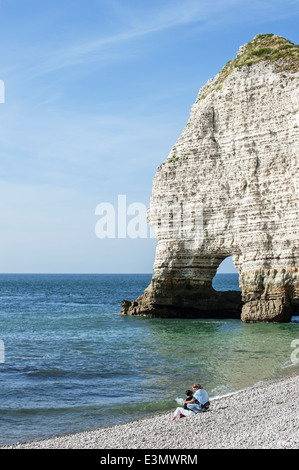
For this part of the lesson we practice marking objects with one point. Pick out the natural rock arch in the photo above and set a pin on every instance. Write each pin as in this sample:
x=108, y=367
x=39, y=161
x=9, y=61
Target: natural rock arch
x=223, y=277
x=231, y=181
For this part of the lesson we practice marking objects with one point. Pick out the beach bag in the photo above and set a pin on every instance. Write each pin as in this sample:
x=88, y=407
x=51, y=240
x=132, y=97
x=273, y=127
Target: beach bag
x=205, y=406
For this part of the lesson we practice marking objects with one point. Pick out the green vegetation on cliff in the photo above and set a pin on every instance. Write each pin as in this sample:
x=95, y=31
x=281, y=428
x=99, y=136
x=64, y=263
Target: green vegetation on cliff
x=263, y=47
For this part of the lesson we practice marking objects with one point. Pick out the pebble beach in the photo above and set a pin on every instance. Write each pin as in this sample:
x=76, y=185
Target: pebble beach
x=261, y=417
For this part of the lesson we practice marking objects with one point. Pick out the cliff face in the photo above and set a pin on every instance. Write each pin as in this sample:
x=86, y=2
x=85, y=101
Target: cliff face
x=230, y=187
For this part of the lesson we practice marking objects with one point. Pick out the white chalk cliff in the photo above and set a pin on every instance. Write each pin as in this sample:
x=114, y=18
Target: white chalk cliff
x=235, y=169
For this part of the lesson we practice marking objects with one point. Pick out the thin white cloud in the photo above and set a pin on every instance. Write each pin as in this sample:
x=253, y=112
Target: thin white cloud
x=161, y=17
x=139, y=24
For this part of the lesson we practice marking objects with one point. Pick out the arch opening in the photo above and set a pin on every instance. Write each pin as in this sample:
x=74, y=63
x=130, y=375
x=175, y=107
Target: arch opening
x=226, y=277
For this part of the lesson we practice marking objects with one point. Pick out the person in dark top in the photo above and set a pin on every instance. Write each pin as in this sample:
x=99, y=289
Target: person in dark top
x=189, y=397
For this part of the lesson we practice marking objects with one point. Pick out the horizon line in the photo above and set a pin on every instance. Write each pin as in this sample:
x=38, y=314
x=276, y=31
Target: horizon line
x=88, y=273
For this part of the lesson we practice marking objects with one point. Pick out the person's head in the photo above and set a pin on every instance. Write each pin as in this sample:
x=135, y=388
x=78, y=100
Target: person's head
x=196, y=387
x=188, y=393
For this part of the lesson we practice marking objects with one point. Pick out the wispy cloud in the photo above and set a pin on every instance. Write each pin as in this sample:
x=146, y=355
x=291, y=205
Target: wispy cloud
x=64, y=149
x=148, y=19
x=140, y=26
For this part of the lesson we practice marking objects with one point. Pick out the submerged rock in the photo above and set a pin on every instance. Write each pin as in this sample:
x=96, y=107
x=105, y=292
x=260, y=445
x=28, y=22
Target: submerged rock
x=229, y=187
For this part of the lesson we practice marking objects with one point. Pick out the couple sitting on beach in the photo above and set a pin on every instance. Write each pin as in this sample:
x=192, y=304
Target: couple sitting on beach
x=196, y=401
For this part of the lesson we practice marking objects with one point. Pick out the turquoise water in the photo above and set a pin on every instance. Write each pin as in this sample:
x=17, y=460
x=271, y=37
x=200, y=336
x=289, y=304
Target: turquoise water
x=73, y=363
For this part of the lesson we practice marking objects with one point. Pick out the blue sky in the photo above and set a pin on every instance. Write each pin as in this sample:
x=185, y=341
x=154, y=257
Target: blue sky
x=96, y=94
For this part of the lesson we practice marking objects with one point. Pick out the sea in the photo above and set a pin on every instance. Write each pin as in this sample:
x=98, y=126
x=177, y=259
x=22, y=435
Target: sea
x=69, y=362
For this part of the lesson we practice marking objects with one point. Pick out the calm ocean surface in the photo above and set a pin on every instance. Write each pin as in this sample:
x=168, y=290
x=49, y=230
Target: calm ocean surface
x=73, y=363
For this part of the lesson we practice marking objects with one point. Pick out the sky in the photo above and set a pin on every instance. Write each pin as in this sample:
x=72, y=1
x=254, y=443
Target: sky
x=95, y=95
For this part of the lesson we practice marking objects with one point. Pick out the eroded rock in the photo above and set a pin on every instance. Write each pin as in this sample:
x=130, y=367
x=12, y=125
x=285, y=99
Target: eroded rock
x=230, y=187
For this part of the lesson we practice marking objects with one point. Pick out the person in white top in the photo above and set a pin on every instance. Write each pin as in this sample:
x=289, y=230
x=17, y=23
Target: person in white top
x=200, y=400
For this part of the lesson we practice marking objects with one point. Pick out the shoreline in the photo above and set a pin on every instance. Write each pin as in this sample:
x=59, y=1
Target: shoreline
x=260, y=417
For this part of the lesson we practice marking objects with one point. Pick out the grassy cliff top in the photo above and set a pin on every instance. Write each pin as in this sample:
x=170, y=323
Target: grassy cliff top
x=263, y=47
x=271, y=48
